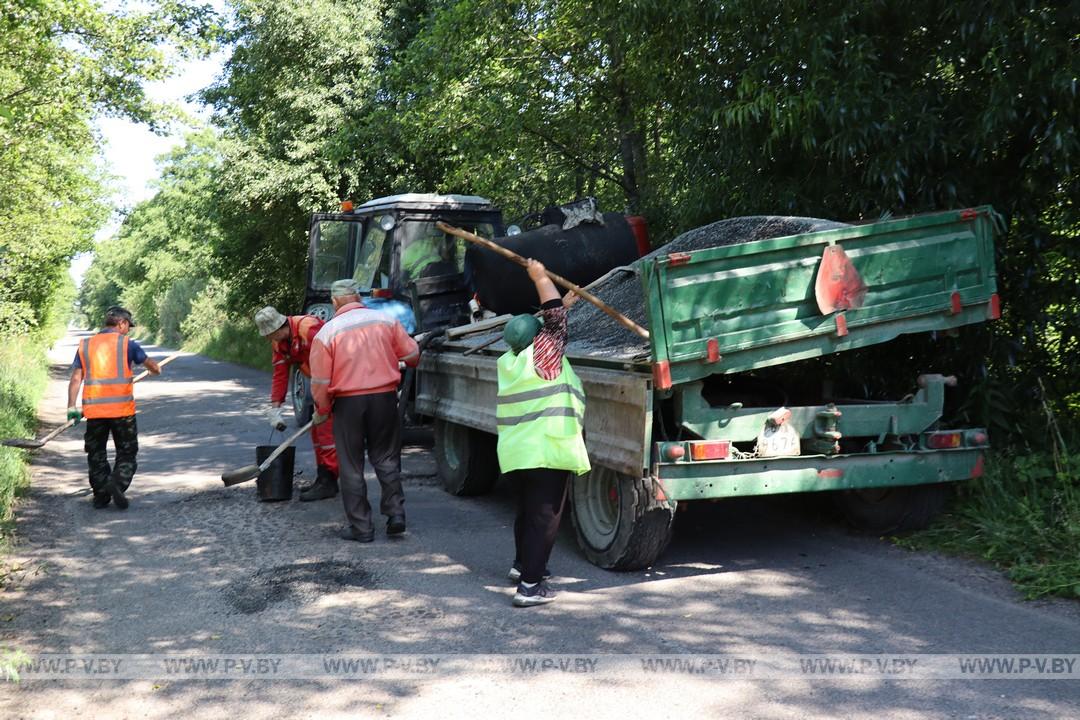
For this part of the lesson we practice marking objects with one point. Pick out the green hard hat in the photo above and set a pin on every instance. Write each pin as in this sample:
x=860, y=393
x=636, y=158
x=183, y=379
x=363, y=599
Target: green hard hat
x=520, y=331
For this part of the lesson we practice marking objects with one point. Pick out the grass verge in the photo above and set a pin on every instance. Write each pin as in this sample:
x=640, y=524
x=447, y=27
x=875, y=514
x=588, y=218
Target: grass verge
x=23, y=377
x=234, y=341
x=1023, y=516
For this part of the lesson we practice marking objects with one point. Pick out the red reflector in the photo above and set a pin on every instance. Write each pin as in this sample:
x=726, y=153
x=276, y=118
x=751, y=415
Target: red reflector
x=954, y=303
x=944, y=441
x=841, y=325
x=830, y=473
x=993, y=310
x=712, y=350
x=978, y=470
x=661, y=374
x=710, y=450
x=679, y=258
x=969, y=214
x=346, y=206
x=382, y=293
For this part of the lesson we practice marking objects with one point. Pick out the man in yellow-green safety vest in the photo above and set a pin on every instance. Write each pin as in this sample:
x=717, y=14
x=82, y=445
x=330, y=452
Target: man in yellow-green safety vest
x=540, y=417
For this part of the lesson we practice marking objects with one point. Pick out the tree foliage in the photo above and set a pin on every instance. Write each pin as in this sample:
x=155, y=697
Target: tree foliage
x=62, y=62
x=685, y=112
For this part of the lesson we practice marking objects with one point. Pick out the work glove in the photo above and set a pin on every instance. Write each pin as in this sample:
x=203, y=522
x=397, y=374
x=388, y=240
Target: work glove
x=319, y=418
x=276, y=415
x=74, y=413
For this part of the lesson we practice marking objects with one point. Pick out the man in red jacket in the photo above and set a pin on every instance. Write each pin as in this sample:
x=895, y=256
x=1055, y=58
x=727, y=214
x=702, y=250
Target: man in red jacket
x=291, y=339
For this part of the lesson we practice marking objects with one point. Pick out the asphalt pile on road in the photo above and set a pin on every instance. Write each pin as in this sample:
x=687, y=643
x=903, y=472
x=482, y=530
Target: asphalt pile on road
x=593, y=333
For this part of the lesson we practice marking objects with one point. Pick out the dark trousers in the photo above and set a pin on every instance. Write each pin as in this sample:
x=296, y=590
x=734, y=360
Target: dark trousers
x=125, y=437
x=541, y=496
x=368, y=423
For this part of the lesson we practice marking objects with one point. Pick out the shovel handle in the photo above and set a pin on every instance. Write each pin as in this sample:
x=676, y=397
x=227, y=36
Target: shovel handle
x=557, y=279
x=163, y=363
x=286, y=443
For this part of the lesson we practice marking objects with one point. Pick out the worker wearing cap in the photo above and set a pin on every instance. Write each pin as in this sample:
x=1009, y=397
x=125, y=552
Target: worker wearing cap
x=355, y=372
x=539, y=414
x=102, y=366
x=291, y=338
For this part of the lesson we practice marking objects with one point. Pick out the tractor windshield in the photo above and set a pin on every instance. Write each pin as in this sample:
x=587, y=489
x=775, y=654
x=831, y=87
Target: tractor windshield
x=429, y=252
x=333, y=240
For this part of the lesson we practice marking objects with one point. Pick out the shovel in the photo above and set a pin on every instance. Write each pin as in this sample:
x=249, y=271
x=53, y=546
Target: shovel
x=32, y=444
x=557, y=279
x=250, y=472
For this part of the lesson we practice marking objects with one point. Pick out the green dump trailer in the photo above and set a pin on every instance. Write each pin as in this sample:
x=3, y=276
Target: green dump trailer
x=676, y=418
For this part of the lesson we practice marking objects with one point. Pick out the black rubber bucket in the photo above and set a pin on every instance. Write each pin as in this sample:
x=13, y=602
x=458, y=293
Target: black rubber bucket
x=275, y=482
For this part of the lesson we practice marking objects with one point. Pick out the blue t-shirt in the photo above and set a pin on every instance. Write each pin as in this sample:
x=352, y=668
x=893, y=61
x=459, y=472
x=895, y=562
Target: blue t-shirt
x=136, y=355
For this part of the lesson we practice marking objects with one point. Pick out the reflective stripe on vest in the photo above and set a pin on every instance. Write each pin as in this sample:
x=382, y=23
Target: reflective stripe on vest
x=108, y=390
x=539, y=421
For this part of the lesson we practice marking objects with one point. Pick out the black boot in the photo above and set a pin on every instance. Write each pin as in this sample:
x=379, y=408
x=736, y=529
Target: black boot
x=325, y=486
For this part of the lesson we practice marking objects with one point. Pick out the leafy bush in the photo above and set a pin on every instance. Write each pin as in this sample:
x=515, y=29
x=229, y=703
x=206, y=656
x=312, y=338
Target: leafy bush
x=210, y=329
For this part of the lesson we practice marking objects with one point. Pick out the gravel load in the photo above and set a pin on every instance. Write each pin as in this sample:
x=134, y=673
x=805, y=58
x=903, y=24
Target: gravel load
x=594, y=334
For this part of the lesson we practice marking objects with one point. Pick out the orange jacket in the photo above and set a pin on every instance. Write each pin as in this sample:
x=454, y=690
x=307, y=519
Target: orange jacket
x=107, y=388
x=357, y=353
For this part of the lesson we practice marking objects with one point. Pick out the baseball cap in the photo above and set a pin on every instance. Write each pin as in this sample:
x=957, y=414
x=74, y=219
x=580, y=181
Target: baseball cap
x=348, y=286
x=118, y=313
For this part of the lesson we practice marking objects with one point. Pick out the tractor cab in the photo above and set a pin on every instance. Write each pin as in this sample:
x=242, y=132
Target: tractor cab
x=404, y=265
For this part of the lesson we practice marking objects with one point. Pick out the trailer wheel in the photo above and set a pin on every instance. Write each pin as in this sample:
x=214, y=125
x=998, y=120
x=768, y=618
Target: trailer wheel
x=465, y=458
x=619, y=522
x=893, y=509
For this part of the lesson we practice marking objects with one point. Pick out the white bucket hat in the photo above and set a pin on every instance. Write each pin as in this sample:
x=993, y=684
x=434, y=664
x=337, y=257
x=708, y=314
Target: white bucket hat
x=268, y=320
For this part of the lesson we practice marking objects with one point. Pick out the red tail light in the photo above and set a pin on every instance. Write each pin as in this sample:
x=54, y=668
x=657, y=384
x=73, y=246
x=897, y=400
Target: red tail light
x=945, y=440
x=710, y=450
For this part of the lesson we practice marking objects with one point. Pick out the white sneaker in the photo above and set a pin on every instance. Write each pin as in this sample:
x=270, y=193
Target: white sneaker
x=538, y=594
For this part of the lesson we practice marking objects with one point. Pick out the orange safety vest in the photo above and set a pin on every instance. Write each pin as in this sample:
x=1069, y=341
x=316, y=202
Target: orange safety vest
x=107, y=388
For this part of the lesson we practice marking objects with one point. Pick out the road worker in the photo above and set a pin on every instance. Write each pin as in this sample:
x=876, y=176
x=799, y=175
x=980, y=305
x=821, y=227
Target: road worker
x=355, y=373
x=102, y=366
x=291, y=337
x=540, y=418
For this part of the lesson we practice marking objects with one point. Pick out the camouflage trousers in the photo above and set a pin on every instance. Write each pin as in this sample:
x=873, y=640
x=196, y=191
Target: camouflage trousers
x=125, y=437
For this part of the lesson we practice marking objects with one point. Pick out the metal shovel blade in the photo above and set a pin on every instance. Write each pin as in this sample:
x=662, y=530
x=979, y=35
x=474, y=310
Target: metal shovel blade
x=24, y=443
x=235, y=477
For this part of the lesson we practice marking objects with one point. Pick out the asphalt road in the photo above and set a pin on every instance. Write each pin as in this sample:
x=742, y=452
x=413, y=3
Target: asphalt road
x=194, y=570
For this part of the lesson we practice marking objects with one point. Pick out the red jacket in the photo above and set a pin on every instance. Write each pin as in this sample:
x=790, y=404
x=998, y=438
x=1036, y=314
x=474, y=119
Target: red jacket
x=294, y=351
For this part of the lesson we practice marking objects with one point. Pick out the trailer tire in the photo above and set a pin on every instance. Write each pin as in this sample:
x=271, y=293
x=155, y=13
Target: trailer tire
x=619, y=523
x=465, y=458
x=903, y=508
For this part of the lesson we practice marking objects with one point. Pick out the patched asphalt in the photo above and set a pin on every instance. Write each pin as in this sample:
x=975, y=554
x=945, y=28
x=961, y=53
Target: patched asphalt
x=196, y=568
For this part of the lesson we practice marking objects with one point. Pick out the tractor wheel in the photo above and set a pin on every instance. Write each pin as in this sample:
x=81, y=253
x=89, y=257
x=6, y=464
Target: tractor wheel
x=619, y=522
x=465, y=458
x=300, y=395
x=880, y=511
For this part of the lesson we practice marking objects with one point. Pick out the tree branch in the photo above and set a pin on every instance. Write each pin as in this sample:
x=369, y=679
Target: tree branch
x=594, y=168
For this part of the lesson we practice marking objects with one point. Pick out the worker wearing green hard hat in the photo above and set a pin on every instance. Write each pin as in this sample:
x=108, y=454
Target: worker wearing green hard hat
x=520, y=331
x=539, y=414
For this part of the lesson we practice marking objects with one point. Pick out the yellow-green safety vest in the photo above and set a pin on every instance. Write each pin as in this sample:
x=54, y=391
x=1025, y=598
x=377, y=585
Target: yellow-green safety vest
x=540, y=421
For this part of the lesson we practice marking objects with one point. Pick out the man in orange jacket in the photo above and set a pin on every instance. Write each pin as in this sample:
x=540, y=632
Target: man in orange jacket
x=291, y=337
x=355, y=372
x=103, y=366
